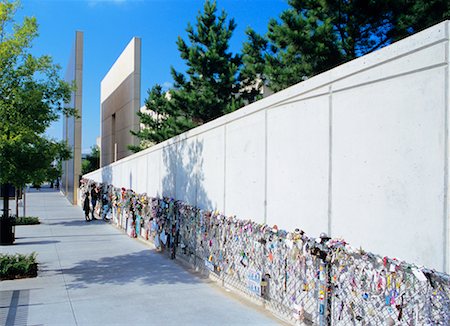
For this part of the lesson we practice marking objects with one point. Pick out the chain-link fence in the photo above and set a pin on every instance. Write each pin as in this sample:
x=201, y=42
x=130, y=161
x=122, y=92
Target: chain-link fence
x=303, y=280
x=371, y=290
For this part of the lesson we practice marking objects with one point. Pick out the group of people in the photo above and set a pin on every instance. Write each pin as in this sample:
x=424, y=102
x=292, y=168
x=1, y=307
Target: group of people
x=90, y=206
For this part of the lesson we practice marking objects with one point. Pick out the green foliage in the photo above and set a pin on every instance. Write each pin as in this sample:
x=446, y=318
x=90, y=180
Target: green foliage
x=85, y=166
x=26, y=220
x=163, y=120
x=210, y=87
x=310, y=37
x=314, y=36
x=17, y=266
x=31, y=95
x=252, y=72
x=54, y=171
x=92, y=161
x=36, y=160
x=421, y=14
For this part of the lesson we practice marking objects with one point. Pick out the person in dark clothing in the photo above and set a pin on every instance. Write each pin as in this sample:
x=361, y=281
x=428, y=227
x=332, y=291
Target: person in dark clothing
x=86, y=207
x=94, y=197
x=105, y=206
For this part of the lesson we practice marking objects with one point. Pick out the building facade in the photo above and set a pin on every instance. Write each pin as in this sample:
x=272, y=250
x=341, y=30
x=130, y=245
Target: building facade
x=72, y=125
x=120, y=101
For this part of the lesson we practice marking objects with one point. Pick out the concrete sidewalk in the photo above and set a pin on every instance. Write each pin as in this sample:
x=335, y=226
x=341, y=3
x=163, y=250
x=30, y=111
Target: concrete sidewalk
x=93, y=274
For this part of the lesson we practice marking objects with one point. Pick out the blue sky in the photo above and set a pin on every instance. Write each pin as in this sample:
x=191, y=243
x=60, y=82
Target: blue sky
x=109, y=25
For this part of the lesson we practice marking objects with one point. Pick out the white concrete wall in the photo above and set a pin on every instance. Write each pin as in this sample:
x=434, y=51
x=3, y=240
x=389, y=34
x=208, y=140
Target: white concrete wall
x=360, y=152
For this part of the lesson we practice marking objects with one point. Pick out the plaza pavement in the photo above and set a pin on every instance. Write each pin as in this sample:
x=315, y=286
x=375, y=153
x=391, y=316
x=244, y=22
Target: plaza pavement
x=93, y=274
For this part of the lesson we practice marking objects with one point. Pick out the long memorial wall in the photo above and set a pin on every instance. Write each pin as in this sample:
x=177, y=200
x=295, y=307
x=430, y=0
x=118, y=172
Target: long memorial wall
x=359, y=152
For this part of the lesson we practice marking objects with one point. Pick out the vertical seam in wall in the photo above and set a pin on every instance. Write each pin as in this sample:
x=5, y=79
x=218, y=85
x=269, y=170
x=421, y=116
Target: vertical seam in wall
x=330, y=157
x=160, y=176
x=266, y=135
x=446, y=159
x=225, y=169
x=197, y=171
x=146, y=168
x=175, y=194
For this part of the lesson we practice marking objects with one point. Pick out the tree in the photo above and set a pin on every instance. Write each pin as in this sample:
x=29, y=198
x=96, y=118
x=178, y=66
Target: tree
x=162, y=119
x=54, y=173
x=252, y=74
x=421, y=14
x=210, y=87
x=92, y=161
x=31, y=97
x=314, y=36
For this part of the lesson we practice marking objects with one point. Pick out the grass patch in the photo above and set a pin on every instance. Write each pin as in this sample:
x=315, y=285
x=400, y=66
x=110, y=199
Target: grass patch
x=27, y=220
x=17, y=266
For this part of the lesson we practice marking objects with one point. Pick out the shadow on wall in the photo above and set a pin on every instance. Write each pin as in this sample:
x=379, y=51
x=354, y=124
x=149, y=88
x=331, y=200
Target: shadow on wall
x=183, y=175
x=149, y=267
x=107, y=174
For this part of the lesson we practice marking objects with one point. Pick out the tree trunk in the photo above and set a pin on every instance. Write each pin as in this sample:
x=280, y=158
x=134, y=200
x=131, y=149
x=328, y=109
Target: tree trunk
x=24, y=201
x=17, y=202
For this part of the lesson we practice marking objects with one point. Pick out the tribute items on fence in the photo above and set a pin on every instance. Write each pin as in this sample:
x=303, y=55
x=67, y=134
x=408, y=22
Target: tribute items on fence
x=318, y=280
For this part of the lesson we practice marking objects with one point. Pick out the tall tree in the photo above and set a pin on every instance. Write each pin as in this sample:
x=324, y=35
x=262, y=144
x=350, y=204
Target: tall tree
x=31, y=97
x=313, y=36
x=210, y=86
x=252, y=74
x=92, y=161
x=208, y=89
x=162, y=119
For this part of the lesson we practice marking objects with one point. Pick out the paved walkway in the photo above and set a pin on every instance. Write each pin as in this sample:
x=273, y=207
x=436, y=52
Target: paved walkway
x=93, y=274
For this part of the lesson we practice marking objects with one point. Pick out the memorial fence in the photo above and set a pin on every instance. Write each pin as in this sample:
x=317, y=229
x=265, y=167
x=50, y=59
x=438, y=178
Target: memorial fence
x=303, y=280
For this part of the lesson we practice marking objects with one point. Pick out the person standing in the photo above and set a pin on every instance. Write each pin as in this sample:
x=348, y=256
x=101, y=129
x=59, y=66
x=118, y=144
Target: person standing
x=86, y=207
x=94, y=197
x=105, y=205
